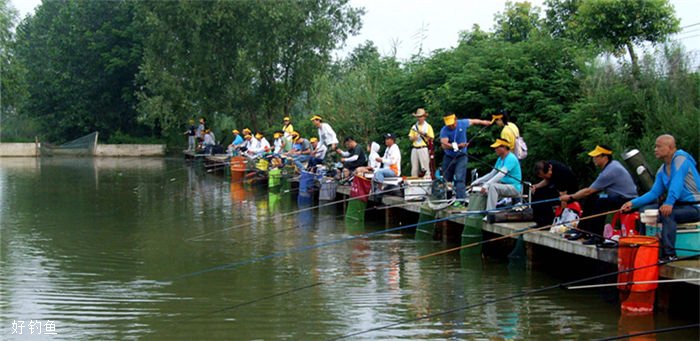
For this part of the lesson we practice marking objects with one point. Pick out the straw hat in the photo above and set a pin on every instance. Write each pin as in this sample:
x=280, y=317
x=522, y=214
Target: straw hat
x=420, y=113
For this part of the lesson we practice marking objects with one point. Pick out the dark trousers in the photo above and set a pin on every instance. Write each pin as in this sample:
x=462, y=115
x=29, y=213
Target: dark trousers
x=544, y=212
x=679, y=215
x=594, y=205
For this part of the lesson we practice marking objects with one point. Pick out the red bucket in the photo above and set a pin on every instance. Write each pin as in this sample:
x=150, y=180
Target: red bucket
x=641, y=253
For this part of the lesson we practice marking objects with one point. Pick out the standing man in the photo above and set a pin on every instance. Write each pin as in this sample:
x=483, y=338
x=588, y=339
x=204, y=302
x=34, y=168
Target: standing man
x=677, y=183
x=505, y=180
x=421, y=136
x=191, y=132
x=391, y=161
x=453, y=140
x=557, y=180
x=618, y=186
x=326, y=134
x=287, y=127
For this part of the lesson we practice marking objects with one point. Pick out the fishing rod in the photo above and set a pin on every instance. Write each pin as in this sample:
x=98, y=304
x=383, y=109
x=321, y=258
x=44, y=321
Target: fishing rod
x=294, y=212
x=510, y=235
x=632, y=283
x=655, y=331
x=329, y=243
x=315, y=284
x=504, y=298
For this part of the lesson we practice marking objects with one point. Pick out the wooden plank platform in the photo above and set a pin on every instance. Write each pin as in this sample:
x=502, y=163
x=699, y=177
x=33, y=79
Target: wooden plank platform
x=688, y=269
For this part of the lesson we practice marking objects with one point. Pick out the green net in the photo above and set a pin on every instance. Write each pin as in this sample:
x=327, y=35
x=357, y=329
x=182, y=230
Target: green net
x=82, y=146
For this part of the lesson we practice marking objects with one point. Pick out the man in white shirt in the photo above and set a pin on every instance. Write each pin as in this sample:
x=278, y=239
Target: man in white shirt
x=391, y=161
x=326, y=134
x=318, y=153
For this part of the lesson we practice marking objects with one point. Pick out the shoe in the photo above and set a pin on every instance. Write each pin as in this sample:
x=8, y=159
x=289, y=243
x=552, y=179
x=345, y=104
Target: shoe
x=592, y=241
x=458, y=206
x=669, y=259
x=575, y=236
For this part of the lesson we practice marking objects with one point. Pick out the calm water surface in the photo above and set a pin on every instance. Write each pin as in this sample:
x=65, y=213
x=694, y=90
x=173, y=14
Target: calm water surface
x=155, y=249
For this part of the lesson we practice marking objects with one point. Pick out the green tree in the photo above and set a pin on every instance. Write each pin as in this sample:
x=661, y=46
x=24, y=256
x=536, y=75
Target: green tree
x=81, y=57
x=12, y=84
x=517, y=22
x=615, y=25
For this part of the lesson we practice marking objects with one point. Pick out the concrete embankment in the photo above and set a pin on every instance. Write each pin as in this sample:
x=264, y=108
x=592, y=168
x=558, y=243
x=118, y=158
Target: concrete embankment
x=102, y=150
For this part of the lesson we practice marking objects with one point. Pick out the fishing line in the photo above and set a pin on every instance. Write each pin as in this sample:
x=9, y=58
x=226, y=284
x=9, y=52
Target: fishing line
x=632, y=283
x=329, y=243
x=505, y=298
x=655, y=331
x=512, y=234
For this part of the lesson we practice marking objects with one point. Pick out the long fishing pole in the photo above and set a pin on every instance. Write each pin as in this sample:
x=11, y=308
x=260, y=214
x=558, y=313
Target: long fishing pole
x=293, y=212
x=333, y=242
x=632, y=283
x=648, y=332
x=505, y=298
x=509, y=235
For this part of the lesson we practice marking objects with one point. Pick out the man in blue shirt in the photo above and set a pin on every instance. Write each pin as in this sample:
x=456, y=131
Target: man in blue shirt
x=505, y=180
x=618, y=186
x=453, y=140
x=677, y=183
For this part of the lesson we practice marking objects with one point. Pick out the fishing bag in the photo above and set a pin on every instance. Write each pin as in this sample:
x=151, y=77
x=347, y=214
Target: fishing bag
x=520, y=149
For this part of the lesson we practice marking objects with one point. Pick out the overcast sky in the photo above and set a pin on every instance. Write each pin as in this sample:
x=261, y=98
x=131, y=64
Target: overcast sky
x=410, y=25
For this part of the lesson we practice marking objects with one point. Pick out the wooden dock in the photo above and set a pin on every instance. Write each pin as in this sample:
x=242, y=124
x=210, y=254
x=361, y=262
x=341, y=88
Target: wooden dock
x=686, y=269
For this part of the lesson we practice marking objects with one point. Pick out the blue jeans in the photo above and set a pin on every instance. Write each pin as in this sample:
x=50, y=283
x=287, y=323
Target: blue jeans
x=679, y=214
x=300, y=159
x=381, y=173
x=454, y=168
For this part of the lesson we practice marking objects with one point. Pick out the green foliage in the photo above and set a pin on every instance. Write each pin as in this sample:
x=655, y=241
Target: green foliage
x=13, y=88
x=81, y=57
x=249, y=60
x=517, y=22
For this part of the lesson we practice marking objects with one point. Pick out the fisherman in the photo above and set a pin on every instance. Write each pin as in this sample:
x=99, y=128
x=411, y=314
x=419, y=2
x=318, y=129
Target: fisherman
x=557, y=180
x=301, y=151
x=510, y=131
x=677, y=183
x=505, y=179
x=391, y=161
x=614, y=181
x=318, y=153
x=236, y=143
x=453, y=140
x=279, y=142
x=421, y=135
x=253, y=146
x=208, y=142
x=263, y=145
x=191, y=132
x=287, y=127
x=200, y=128
x=326, y=134
x=351, y=159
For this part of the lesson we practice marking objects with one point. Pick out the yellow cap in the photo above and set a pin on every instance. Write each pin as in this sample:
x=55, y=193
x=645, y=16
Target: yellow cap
x=276, y=135
x=248, y=137
x=450, y=119
x=191, y=121
x=286, y=118
x=313, y=139
x=235, y=131
x=496, y=117
x=258, y=135
x=316, y=117
x=599, y=151
x=246, y=131
x=500, y=142
x=295, y=135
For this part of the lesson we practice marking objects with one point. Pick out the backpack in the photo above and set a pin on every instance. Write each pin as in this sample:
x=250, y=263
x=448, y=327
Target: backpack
x=520, y=149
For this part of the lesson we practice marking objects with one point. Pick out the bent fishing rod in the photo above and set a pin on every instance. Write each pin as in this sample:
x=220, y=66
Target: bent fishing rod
x=333, y=242
x=505, y=298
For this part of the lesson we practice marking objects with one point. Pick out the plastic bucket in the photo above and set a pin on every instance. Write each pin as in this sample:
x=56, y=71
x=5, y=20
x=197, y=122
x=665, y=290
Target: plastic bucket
x=274, y=177
x=641, y=253
x=328, y=189
x=473, y=223
x=306, y=182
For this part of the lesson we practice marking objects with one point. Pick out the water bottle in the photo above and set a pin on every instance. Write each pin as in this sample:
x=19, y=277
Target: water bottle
x=607, y=231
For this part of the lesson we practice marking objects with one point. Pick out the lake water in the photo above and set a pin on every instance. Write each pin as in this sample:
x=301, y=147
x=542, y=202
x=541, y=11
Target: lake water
x=158, y=249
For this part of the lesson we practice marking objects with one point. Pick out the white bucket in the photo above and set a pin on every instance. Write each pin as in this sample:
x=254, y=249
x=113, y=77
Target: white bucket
x=649, y=217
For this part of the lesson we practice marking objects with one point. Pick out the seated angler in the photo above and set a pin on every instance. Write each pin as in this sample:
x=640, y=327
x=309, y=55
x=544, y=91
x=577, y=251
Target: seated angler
x=505, y=179
x=614, y=181
x=677, y=183
x=235, y=144
x=318, y=153
x=353, y=158
x=208, y=142
x=301, y=151
x=391, y=161
x=557, y=180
